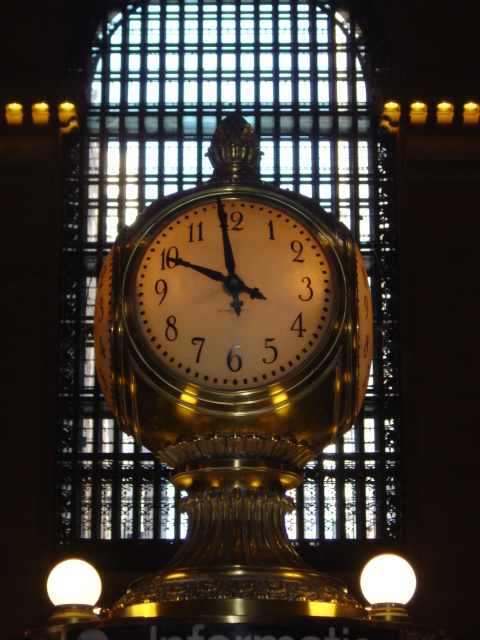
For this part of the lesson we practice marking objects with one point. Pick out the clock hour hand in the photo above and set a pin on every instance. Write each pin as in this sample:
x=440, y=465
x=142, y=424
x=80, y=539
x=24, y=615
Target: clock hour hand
x=227, y=247
x=210, y=273
x=234, y=286
x=254, y=293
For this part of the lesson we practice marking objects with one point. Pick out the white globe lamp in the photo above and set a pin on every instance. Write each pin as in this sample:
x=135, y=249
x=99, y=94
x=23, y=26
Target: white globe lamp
x=74, y=588
x=388, y=582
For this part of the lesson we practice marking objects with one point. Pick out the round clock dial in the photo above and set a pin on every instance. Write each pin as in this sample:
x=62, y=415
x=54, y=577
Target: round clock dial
x=102, y=330
x=233, y=293
x=365, y=328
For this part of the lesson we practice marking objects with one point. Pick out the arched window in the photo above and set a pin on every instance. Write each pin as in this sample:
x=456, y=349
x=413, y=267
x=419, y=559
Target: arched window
x=161, y=75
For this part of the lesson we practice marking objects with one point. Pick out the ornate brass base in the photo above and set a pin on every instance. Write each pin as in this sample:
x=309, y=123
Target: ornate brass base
x=237, y=558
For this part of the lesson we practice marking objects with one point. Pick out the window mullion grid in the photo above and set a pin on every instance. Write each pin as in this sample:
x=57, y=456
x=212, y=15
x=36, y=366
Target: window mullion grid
x=218, y=49
x=341, y=477
x=295, y=105
x=122, y=137
x=162, y=76
x=361, y=478
x=276, y=108
x=138, y=480
x=124, y=57
x=257, y=68
x=387, y=402
x=378, y=302
x=377, y=362
x=115, y=462
x=177, y=515
x=71, y=405
x=85, y=464
x=162, y=81
x=314, y=104
x=300, y=512
x=181, y=96
x=238, y=65
x=333, y=110
x=354, y=144
x=320, y=506
x=157, y=498
x=142, y=112
x=200, y=81
x=106, y=51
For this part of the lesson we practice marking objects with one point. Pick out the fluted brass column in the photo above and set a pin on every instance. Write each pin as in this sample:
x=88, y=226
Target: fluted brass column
x=237, y=558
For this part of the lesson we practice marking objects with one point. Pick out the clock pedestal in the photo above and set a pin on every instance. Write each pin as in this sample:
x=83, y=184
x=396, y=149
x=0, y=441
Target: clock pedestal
x=234, y=340
x=237, y=558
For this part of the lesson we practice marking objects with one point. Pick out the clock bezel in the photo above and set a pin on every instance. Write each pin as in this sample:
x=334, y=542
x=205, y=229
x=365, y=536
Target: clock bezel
x=275, y=394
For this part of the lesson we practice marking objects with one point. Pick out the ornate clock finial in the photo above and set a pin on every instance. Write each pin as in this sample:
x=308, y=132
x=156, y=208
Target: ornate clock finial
x=235, y=151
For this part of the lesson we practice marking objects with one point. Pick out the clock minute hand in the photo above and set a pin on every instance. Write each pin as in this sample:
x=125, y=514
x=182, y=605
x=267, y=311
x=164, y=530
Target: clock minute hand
x=210, y=273
x=227, y=247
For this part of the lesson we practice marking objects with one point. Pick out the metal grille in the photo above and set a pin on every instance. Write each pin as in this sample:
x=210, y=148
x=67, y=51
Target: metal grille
x=162, y=75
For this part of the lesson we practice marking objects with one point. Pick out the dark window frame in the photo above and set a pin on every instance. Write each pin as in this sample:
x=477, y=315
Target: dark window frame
x=79, y=261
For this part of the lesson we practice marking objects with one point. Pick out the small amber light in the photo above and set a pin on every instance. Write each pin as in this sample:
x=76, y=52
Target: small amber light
x=471, y=113
x=445, y=113
x=418, y=113
x=391, y=114
x=14, y=113
x=40, y=113
x=67, y=115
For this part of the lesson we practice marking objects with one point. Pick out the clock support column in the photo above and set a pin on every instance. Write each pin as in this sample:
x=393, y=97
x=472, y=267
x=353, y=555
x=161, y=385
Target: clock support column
x=237, y=558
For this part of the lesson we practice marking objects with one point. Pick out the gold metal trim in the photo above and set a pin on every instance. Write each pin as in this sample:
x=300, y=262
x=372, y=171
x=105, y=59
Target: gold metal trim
x=239, y=610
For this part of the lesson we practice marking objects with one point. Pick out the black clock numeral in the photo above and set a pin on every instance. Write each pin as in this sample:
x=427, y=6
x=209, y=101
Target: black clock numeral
x=308, y=287
x=365, y=275
x=161, y=290
x=273, y=351
x=297, y=247
x=171, y=332
x=103, y=351
x=270, y=227
x=168, y=258
x=367, y=344
x=234, y=361
x=237, y=218
x=195, y=232
x=366, y=305
x=298, y=326
x=201, y=342
x=100, y=309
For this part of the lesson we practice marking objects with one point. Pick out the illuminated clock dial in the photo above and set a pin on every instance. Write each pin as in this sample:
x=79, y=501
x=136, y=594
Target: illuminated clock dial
x=102, y=330
x=365, y=328
x=233, y=293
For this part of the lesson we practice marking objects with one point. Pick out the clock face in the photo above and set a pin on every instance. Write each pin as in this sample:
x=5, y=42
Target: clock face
x=102, y=330
x=365, y=328
x=233, y=294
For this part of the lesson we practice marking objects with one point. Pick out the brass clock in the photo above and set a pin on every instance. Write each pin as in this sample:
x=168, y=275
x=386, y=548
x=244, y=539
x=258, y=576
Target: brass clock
x=233, y=333
x=233, y=312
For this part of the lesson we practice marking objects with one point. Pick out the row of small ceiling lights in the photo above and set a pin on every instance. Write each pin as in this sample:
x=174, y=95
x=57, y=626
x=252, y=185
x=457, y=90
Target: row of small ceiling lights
x=418, y=113
x=391, y=114
x=40, y=114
